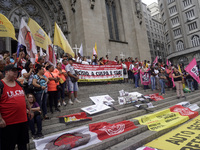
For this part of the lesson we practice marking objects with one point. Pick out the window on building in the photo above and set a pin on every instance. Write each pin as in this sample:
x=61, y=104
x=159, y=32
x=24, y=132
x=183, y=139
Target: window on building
x=170, y=1
x=172, y=10
x=179, y=45
x=187, y=3
x=167, y=37
x=152, y=34
x=161, y=6
x=163, y=17
x=190, y=14
x=165, y=27
x=195, y=40
x=112, y=19
x=169, y=49
x=156, y=35
x=175, y=21
x=177, y=32
x=192, y=26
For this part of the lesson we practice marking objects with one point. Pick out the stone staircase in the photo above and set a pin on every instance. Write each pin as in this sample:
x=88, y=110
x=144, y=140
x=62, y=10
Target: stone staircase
x=127, y=141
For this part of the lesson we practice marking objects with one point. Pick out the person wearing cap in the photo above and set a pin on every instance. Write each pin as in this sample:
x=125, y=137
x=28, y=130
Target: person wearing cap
x=72, y=84
x=13, y=113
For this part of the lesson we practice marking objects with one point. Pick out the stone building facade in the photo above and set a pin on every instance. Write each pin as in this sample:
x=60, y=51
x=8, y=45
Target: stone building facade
x=117, y=26
x=155, y=33
x=181, y=20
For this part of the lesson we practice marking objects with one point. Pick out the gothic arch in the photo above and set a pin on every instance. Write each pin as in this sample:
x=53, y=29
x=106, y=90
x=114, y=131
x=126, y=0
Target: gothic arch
x=44, y=12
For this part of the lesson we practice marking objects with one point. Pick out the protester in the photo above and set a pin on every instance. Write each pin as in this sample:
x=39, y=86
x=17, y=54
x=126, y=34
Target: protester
x=136, y=75
x=27, y=74
x=13, y=114
x=130, y=72
x=162, y=79
x=40, y=61
x=35, y=108
x=21, y=61
x=2, y=64
x=178, y=82
x=84, y=62
x=169, y=76
x=153, y=79
x=53, y=85
x=145, y=70
x=125, y=72
x=157, y=77
x=189, y=81
x=40, y=82
x=72, y=81
x=61, y=73
x=64, y=63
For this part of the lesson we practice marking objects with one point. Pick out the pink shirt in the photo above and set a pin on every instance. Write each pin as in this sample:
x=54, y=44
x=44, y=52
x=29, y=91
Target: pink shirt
x=134, y=69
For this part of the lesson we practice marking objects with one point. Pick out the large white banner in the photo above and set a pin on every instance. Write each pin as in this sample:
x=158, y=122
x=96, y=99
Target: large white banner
x=92, y=73
x=103, y=99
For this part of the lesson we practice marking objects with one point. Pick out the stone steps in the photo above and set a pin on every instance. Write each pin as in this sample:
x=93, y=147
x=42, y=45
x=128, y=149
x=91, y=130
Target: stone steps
x=130, y=143
x=126, y=112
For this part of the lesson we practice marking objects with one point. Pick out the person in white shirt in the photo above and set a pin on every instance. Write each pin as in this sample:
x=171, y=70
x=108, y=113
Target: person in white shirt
x=84, y=62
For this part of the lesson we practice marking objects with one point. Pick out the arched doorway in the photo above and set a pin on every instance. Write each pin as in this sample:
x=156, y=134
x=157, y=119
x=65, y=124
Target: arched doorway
x=44, y=12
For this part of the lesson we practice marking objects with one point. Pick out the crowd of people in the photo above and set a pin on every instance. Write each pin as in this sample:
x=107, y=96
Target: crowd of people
x=45, y=84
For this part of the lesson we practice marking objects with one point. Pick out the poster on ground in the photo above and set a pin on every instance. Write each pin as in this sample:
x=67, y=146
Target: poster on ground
x=103, y=99
x=84, y=136
x=186, y=137
x=93, y=109
x=92, y=73
x=74, y=118
x=167, y=118
x=155, y=97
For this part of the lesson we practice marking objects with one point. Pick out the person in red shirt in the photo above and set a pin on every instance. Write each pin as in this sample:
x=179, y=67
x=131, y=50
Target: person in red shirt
x=13, y=113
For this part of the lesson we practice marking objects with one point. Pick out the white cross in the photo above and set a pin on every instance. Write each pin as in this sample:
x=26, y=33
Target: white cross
x=122, y=55
x=76, y=48
x=108, y=52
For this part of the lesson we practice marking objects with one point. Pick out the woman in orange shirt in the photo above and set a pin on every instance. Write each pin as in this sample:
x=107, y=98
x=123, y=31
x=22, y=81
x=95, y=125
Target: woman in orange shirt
x=52, y=88
x=62, y=74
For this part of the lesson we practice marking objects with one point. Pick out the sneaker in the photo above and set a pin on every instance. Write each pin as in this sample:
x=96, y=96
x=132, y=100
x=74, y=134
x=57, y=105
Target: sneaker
x=34, y=136
x=70, y=102
x=59, y=104
x=56, y=109
x=40, y=135
x=64, y=103
x=76, y=100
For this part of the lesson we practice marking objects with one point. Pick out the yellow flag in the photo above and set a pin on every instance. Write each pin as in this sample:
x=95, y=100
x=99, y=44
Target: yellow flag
x=95, y=47
x=61, y=41
x=39, y=35
x=6, y=27
x=179, y=68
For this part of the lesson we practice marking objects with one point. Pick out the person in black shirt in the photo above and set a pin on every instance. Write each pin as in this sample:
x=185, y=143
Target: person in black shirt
x=178, y=82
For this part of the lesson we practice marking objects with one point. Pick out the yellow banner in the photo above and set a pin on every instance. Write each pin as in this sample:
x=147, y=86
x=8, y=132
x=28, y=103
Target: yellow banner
x=61, y=41
x=39, y=35
x=186, y=137
x=162, y=120
x=6, y=27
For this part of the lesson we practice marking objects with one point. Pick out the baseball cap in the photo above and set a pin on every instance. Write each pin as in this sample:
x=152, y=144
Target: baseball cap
x=11, y=67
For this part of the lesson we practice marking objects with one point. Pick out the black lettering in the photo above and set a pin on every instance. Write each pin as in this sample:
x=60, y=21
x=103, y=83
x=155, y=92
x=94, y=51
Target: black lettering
x=177, y=140
x=187, y=132
x=188, y=148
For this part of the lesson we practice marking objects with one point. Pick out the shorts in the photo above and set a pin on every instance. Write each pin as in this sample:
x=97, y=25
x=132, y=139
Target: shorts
x=72, y=86
x=14, y=134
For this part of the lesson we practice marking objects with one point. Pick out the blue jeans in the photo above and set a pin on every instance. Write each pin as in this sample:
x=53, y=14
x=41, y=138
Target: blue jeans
x=136, y=80
x=153, y=83
x=162, y=84
x=190, y=84
x=42, y=101
x=38, y=121
x=61, y=93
